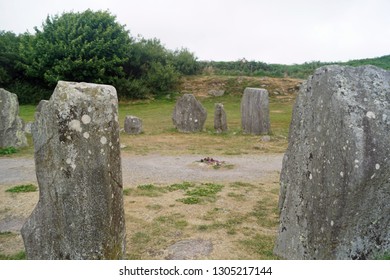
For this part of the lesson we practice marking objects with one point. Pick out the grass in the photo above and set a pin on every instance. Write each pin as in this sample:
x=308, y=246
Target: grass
x=8, y=151
x=23, y=189
x=204, y=193
x=260, y=244
x=18, y=256
x=149, y=190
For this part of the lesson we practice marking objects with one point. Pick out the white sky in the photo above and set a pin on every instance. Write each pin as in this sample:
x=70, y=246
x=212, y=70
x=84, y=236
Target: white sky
x=272, y=31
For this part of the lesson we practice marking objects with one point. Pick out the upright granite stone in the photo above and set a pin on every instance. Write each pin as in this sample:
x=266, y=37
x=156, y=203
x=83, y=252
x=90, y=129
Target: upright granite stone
x=133, y=125
x=255, y=111
x=11, y=125
x=335, y=179
x=188, y=114
x=77, y=158
x=220, y=123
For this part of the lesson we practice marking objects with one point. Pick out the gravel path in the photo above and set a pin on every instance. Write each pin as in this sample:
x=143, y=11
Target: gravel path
x=162, y=169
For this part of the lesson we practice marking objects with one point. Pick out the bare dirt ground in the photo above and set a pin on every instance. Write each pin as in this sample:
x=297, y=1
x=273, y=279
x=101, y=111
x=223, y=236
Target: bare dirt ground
x=161, y=223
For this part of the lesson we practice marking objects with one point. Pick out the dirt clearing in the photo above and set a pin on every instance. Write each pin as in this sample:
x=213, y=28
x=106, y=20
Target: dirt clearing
x=171, y=202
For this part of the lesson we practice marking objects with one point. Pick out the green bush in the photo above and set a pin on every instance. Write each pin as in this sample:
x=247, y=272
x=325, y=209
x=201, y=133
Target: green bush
x=7, y=151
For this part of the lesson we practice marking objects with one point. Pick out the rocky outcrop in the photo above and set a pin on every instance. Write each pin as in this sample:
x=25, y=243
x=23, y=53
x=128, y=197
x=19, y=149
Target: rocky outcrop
x=77, y=158
x=189, y=115
x=11, y=125
x=335, y=183
x=255, y=111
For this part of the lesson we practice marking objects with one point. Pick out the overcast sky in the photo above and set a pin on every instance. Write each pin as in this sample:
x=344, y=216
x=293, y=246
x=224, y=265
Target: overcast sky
x=272, y=31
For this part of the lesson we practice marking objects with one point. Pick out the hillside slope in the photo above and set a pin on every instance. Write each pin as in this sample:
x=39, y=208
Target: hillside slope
x=235, y=85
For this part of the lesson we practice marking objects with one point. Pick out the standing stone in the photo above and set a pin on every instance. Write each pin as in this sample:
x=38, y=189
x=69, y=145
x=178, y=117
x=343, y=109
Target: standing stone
x=335, y=179
x=11, y=125
x=133, y=125
x=255, y=111
x=189, y=115
x=220, y=123
x=77, y=158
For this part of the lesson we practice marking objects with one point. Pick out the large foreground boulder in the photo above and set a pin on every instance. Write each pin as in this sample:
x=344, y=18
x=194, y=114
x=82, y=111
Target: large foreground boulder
x=11, y=125
x=189, y=115
x=255, y=111
x=77, y=158
x=335, y=180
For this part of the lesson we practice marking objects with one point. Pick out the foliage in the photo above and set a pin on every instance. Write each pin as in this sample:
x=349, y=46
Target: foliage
x=89, y=47
x=23, y=189
x=9, y=57
x=8, y=151
x=302, y=71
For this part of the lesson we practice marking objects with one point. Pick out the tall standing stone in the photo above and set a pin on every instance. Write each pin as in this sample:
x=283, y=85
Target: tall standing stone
x=335, y=179
x=189, y=115
x=255, y=111
x=11, y=125
x=220, y=123
x=77, y=158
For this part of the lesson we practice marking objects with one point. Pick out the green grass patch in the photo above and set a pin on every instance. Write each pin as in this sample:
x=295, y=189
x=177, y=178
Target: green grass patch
x=18, y=256
x=260, y=246
x=266, y=213
x=8, y=151
x=239, y=185
x=190, y=200
x=206, y=192
x=148, y=190
x=182, y=186
x=23, y=189
x=206, y=189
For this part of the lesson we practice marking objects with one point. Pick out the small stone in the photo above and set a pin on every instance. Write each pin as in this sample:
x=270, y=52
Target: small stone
x=133, y=125
x=266, y=138
x=216, y=92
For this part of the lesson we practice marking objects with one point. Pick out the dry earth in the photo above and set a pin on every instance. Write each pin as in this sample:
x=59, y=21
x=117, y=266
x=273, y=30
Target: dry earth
x=168, y=226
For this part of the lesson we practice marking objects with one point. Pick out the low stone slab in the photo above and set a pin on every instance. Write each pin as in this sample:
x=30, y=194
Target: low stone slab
x=189, y=115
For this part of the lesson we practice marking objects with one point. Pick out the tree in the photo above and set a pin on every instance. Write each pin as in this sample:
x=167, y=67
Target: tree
x=9, y=57
x=88, y=46
x=185, y=62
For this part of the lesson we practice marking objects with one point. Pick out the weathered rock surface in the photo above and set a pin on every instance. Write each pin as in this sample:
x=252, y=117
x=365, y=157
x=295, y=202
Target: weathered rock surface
x=216, y=92
x=255, y=111
x=220, y=122
x=335, y=180
x=189, y=115
x=133, y=125
x=77, y=157
x=11, y=125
